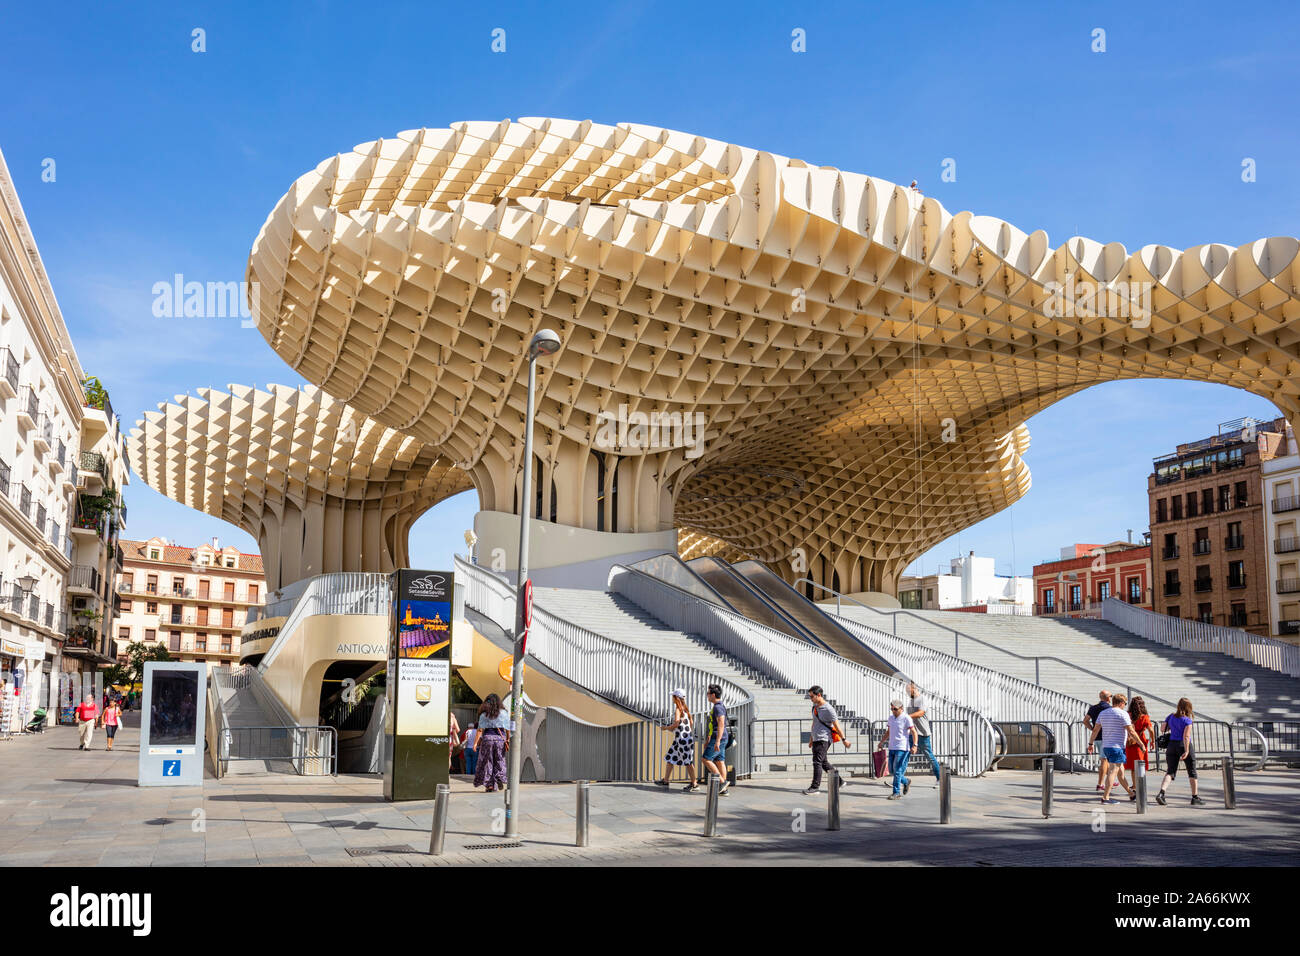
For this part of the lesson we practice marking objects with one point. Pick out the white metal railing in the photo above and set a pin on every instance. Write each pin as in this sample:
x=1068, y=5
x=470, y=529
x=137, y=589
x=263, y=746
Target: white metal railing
x=798, y=664
x=342, y=592
x=1196, y=636
x=628, y=676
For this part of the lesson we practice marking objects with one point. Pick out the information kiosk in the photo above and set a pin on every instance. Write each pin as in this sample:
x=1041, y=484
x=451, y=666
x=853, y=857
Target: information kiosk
x=171, y=724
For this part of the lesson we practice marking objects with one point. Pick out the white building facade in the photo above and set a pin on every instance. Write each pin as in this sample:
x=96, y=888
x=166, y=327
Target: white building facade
x=972, y=582
x=42, y=440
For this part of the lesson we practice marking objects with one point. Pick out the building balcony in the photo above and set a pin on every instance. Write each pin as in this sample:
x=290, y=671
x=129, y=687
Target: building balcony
x=28, y=411
x=1237, y=619
x=1288, y=586
x=1169, y=554
x=1201, y=546
x=1173, y=590
x=9, y=372
x=93, y=471
x=1236, y=583
x=190, y=621
x=1234, y=544
x=43, y=440
x=1286, y=545
x=1204, y=584
x=84, y=580
x=70, y=477
x=1285, y=504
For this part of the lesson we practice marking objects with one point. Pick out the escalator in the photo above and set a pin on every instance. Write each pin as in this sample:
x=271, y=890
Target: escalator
x=808, y=616
x=746, y=600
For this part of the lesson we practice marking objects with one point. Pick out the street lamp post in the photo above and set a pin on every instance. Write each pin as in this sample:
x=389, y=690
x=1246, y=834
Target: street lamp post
x=544, y=342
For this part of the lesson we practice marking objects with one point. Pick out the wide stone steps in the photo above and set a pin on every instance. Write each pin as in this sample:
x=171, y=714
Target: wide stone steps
x=1218, y=685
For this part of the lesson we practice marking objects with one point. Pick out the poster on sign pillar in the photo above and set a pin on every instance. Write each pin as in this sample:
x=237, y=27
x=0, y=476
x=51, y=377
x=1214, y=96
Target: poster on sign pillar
x=418, y=685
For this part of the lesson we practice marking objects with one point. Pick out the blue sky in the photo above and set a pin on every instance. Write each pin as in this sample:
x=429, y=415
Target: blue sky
x=168, y=161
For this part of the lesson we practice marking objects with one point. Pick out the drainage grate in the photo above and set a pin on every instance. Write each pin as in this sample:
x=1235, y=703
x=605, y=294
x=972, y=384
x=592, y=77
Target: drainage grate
x=378, y=850
x=493, y=846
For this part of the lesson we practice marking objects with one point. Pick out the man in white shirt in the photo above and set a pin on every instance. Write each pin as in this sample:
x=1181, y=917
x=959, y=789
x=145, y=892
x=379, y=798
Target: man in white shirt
x=1115, y=729
x=900, y=735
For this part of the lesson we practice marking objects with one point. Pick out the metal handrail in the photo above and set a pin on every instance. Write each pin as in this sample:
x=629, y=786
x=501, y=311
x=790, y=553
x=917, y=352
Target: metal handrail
x=1187, y=635
x=340, y=592
x=787, y=659
x=633, y=678
x=1129, y=689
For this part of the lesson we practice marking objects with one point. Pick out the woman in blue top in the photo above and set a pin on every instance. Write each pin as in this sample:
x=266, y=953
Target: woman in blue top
x=1179, y=726
x=491, y=743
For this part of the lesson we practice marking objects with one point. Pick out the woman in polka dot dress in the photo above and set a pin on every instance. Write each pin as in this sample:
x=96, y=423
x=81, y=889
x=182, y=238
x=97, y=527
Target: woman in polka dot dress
x=682, y=752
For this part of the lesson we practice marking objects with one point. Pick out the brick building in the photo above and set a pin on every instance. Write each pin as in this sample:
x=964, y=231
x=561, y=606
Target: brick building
x=192, y=600
x=1087, y=574
x=1209, y=545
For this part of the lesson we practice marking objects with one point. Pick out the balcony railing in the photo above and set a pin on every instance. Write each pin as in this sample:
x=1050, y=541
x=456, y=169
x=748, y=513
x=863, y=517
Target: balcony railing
x=40, y=517
x=4, y=479
x=84, y=576
x=1171, y=590
x=1231, y=543
x=91, y=461
x=1204, y=584
x=25, y=499
x=1201, y=546
x=9, y=368
x=1236, y=581
x=1288, y=585
x=28, y=406
x=1285, y=504
x=1169, y=553
x=1286, y=545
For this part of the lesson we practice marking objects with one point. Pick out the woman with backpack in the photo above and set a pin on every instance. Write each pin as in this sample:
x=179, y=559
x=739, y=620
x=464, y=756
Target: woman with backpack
x=1177, y=741
x=682, y=751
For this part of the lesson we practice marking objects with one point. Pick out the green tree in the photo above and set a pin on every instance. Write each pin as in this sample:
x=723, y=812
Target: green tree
x=138, y=653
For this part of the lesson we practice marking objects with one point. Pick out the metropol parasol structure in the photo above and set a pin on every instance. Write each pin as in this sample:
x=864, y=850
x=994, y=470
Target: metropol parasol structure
x=861, y=361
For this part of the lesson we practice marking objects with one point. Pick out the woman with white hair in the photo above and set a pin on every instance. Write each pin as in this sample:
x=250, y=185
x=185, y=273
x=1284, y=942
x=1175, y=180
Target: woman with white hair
x=682, y=751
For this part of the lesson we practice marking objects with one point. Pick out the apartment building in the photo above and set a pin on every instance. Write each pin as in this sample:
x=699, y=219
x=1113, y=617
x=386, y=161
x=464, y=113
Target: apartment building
x=1085, y=575
x=1281, y=477
x=46, y=631
x=971, y=584
x=193, y=601
x=1210, y=548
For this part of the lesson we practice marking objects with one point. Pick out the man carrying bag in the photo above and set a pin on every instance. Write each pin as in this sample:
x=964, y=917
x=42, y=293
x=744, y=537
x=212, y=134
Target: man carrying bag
x=825, y=732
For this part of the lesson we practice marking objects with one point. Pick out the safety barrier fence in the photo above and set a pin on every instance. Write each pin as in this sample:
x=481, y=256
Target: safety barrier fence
x=790, y=662
x=1281, y=738
x=308, y=750
x=632, y=678
x=1197, y=636
x=787, y=738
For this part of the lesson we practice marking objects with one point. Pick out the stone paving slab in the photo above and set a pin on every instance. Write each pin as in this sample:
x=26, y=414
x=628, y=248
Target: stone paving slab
x=64, y=807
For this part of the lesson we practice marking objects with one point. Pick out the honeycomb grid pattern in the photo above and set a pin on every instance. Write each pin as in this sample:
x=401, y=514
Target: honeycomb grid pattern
x=321, y=487
x=825, y=323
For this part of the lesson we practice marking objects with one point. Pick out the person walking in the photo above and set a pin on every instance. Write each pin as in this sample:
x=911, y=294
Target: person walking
x=715, y=741
x=916, y=706
x=1114, y=728
x=467, y=742
x=453, y=742
x=1179, y=727
x=112, y=720
x=1135, y=753
x=825, y=732
x=682, y=751
x=900, y=736
x=1090, y=722
x=492, y=743
x=87, y=713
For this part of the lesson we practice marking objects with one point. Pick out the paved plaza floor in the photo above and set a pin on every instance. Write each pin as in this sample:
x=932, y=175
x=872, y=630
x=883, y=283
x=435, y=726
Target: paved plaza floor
x=60, y=806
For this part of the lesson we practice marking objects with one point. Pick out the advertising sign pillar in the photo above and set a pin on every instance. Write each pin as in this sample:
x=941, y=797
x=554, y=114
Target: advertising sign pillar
x=416, y=727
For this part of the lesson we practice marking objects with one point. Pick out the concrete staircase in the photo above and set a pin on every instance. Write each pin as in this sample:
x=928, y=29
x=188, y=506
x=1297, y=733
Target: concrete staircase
x=1213, y=682
x=619, y=619
x=243, y=709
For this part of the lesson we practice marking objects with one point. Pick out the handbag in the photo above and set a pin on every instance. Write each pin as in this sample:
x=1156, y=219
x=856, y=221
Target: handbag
x=836, y=736
x=1163, y=740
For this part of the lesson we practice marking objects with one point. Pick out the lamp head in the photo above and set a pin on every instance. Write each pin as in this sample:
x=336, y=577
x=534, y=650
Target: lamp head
x=26, y=583
x=544, y=342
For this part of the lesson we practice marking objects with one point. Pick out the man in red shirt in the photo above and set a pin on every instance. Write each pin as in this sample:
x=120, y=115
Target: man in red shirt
x=87, y=712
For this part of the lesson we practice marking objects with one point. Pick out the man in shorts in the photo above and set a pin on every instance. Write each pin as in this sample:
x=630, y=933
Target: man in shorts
x=1115, y=729
x=715, y=743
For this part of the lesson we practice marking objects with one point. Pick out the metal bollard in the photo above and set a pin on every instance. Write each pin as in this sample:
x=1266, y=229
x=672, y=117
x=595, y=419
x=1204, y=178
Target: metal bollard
x=833, y=802
x=1140, y=784
x=439, y=834
x=1229, y=786
x=945, y=794
x=711, y=807
x=583, y=812
x=1048, y=770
